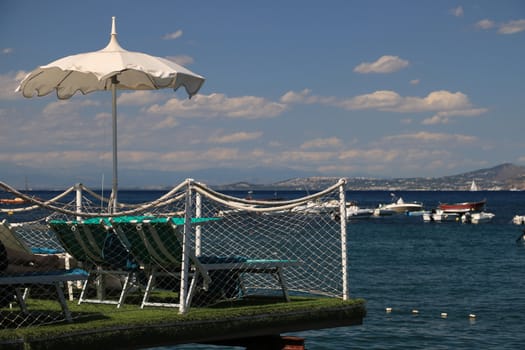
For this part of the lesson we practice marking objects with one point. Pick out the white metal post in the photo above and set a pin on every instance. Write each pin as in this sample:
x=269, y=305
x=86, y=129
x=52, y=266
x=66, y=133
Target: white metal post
x=78, y=199
x=67, y=257
x=114, y=187
x=198, y=214
x=344, y=244
x=185, y=265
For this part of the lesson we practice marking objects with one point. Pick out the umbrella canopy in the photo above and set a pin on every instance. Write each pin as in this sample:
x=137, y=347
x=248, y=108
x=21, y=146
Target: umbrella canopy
x=112, y=68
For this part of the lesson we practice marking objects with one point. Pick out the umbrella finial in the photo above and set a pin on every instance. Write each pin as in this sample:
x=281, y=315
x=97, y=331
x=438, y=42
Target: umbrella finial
x=113, y=26
x=113, y=44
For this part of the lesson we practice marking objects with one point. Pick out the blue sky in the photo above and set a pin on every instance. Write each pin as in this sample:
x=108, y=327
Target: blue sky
x=334, y=88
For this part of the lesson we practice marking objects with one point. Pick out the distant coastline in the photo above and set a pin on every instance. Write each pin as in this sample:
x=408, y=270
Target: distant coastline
x=504, y=177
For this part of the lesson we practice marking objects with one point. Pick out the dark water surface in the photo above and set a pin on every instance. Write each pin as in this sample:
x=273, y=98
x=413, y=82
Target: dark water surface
x=405, y=264
x=453, y=268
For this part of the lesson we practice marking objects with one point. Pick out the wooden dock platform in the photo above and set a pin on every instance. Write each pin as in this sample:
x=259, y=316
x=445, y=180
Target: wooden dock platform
x=248, y=325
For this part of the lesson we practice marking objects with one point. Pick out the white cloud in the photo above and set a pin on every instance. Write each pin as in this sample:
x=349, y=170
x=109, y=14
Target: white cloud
x=374, y=154
x=322, y=143
x=446, y=104
x=305, y=97
x=68, y=107
x=183, y=60
x=375, y=100
x=414, y=81
x=166, y=123
x=385, y=64
x=485, y=24
x=236, y=137
x=171, y=36
x=391, y=101
x=457, y=11
x=56, y=158
x=213, y=105
x=424, y=136
x=296, y=97
x=306, y=156
x=512, y=27
x=8, y=84
x=141, y=97
x=444, y=117
x=7, y=51
x=434, y=101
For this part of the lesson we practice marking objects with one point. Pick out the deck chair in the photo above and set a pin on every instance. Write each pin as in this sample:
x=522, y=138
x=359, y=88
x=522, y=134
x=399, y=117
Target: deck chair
x=158, y=244
x=23, y=281
x=54, y=277
x=10, y=240
x=94, y=243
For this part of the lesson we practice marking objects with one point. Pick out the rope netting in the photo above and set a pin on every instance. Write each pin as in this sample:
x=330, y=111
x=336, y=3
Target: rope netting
x=192, y=246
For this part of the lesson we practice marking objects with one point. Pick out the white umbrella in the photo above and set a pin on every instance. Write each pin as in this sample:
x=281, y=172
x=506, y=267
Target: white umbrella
x=110, y=68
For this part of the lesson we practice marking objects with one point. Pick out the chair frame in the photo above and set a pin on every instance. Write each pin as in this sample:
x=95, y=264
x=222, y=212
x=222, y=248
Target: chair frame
x=147, y=245
x=84, y=240
x=55, y=278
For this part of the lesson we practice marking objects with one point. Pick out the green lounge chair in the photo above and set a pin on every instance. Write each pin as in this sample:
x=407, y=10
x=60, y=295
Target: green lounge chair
x=88, y=242
x=157, y=243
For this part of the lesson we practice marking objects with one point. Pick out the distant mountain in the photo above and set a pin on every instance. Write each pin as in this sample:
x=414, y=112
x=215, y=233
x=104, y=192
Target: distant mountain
x=506, y=176
x=503, y=172
x=502, y=177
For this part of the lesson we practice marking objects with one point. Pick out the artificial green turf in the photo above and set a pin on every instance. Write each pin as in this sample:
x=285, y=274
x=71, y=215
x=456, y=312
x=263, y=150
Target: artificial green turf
x=96, y=324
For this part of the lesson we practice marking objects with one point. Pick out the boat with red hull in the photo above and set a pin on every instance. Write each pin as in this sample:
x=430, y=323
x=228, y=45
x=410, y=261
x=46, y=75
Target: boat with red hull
x=463, y=207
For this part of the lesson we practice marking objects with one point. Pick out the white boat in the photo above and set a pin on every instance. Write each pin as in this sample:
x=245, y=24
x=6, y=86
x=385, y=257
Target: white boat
x=477, y=218
x=355, y=212
x=518, y=220
x=398, y=206
x=439, y=215
x=384, y=212
x=317, y=207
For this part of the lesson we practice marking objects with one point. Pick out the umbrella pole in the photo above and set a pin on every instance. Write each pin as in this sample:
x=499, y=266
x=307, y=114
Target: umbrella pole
x=114, y=188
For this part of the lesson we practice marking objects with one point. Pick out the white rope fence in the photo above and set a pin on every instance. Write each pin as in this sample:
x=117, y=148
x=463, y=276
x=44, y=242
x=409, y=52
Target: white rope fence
x=191, y=246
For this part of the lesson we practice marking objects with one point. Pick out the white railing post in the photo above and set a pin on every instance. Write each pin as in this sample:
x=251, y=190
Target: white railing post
x=78, y=189
x=67, y=257
x=198, y=214
x=344, y=244
x=185, y=265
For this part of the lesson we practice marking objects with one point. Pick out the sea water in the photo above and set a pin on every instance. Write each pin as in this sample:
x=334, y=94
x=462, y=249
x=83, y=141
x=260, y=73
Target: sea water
x=466, y=281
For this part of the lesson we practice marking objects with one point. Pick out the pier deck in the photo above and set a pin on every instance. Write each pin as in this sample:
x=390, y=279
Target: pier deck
x=234, y=323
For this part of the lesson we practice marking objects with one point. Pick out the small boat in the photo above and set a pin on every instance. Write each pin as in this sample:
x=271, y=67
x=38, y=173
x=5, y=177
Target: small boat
x=383, y=211
x=438, y=215
x=398, y=206
x=477, y=218
x=463, y=207
x=16, y=200
x=355, y=212
x=317, y=207
x=518, y=220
